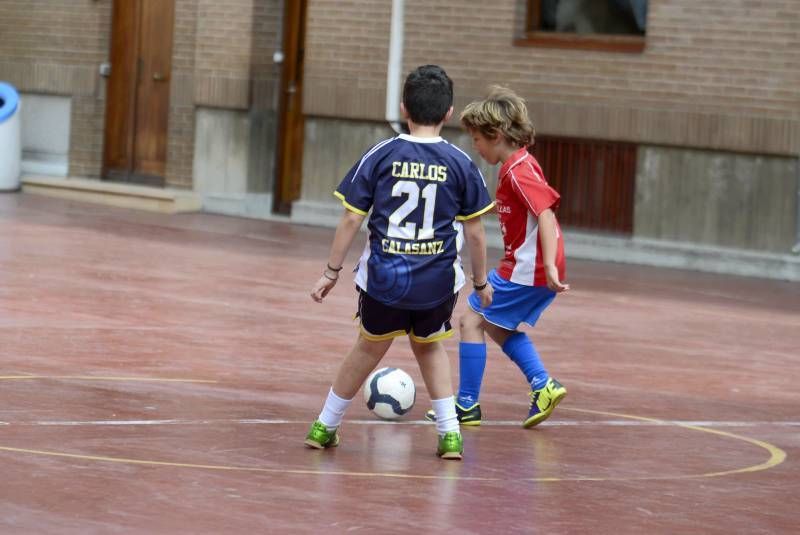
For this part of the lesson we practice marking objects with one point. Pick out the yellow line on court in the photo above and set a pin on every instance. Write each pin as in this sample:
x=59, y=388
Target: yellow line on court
x=776, y=455
x=238, y=468
x=98, y=378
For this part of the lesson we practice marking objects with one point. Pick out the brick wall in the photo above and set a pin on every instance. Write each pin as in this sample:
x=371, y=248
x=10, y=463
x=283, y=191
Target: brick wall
x=235, y=40
x=79, y=38
x=222, y=57
x=720, y=74
x=347, y=47
x=715, y=73
x=180, y=137
x=39, y=57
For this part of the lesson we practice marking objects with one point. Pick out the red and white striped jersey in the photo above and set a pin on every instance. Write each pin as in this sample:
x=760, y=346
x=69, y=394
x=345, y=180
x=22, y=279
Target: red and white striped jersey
x=523, y=194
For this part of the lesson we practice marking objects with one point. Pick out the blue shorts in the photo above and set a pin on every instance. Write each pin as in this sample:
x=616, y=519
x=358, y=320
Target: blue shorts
x=512, y=303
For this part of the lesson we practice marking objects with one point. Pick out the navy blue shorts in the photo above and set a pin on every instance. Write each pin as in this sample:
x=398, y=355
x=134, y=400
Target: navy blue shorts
x=512, y=303
x=382, y=322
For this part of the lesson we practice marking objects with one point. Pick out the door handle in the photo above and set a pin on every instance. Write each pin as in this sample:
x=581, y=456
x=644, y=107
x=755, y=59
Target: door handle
x=158, y=77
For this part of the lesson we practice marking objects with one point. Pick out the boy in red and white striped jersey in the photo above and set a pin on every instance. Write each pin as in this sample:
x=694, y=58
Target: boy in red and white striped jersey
x=532, y=269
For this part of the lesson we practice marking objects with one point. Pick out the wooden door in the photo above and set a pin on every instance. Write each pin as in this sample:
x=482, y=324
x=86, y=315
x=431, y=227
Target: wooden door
x=289, y=162
x=137, y=106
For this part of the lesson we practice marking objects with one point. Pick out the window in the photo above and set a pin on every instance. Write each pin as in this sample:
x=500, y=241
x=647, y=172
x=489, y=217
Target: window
x=611, y=25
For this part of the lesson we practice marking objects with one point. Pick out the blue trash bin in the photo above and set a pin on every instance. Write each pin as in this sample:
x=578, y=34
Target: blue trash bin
x=10, y=148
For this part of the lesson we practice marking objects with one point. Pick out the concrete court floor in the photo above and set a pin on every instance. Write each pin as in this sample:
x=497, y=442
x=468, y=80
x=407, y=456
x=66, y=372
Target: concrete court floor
x=158, y=374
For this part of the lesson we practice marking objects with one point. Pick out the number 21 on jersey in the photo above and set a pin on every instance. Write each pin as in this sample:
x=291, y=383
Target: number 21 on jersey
x=408, y=230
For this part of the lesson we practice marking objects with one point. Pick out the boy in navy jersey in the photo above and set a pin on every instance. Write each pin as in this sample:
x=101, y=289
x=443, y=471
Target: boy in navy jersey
x=530, y=273
x=425, y=195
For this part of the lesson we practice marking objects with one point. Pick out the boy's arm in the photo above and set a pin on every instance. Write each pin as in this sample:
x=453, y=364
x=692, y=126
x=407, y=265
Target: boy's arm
x=549, y=239
x=345, y=232
x=476, y=240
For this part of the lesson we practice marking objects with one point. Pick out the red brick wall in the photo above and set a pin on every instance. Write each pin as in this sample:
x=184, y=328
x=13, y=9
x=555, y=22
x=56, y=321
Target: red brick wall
x=39, y=56
x=715, y=73
x=222, y=57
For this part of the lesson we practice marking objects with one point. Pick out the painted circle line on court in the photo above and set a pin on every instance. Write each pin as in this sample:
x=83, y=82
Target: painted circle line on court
x=776, y=455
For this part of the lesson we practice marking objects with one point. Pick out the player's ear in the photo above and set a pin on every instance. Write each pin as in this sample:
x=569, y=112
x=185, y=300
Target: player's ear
x=448, y=115
x=403, y=111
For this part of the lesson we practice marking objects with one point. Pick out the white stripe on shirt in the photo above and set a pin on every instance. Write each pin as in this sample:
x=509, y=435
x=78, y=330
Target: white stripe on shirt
x=513, y=165
x=522, y=192
x=370, y=153
x=535, y=173
x=525, y=254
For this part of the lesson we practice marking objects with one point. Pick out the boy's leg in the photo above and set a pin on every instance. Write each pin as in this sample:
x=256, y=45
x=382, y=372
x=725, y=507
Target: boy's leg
x=435, y=369
x=546, y=392
x=471, y=366
x=358, y=364
x=353, y=371
x=526, y=305
x=522, y=352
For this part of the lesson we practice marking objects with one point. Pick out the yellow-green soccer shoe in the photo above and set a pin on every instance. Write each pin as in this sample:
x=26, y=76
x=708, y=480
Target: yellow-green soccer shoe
x=320, y=438
x=469, y=417
x=543, y=401
x=451, y=446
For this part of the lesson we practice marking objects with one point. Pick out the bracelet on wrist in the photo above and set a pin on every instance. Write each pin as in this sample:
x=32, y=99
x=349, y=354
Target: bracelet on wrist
x=325, y=274
x=480, y=287
x=335, y=270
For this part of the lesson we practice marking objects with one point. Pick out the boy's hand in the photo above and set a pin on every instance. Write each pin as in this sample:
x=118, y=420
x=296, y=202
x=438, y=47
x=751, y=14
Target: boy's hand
x=485, y=295
x=553, y=281
x=322, y=287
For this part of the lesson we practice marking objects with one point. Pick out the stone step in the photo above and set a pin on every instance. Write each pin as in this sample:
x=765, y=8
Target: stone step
x=134, y=196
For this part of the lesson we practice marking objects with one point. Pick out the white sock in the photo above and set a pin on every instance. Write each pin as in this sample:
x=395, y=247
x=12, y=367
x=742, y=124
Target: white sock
x=446, y=419
x=333, y=411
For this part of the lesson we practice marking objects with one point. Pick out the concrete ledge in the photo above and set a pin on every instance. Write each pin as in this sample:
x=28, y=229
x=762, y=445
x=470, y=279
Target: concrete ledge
x=679, y=255
x=169, y=201
x=318, y=213
x=586, y=246
x=670, y=254
x=250, y=205
x=44, y=167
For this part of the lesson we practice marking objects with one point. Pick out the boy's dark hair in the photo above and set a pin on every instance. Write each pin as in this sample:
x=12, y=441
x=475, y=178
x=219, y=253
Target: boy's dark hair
x=427, y=95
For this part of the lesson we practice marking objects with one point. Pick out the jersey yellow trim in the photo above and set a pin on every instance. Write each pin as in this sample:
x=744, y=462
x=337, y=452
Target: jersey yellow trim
x=348, y=205
x=354, y=209
x=476, y=214
x=380, y=337
x=433, y=338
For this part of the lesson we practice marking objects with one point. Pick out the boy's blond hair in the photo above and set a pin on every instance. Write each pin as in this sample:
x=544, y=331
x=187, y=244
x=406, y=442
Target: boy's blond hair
x=501, y=112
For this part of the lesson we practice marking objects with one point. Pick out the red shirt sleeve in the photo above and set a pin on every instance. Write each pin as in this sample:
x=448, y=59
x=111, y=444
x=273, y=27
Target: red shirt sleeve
x=529, y=183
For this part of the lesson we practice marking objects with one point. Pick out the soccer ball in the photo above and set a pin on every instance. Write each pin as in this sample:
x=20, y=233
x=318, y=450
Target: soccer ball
x=389, y=393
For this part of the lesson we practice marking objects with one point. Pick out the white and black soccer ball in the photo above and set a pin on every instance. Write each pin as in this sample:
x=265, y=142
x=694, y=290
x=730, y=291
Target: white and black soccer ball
x=389, y=393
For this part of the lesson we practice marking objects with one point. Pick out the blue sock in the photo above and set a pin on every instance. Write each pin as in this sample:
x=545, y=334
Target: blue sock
x=520, y=349
x=471, y=364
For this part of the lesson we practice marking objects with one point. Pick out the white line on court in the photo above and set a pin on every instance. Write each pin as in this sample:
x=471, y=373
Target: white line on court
x=497, y=423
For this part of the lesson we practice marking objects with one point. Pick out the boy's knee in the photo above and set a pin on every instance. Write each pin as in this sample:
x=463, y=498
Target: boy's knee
x=470, y=322
x=424, y=349
x=373, y=348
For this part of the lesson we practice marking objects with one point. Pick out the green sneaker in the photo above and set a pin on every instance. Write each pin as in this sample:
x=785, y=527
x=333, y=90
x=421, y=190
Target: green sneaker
x=543, y=401
x=470, y=416
x=451, y=446
x=320, y=438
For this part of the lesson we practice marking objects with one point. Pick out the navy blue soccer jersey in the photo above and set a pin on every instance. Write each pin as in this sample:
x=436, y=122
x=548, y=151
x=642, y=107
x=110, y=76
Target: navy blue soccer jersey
x=419, y=191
